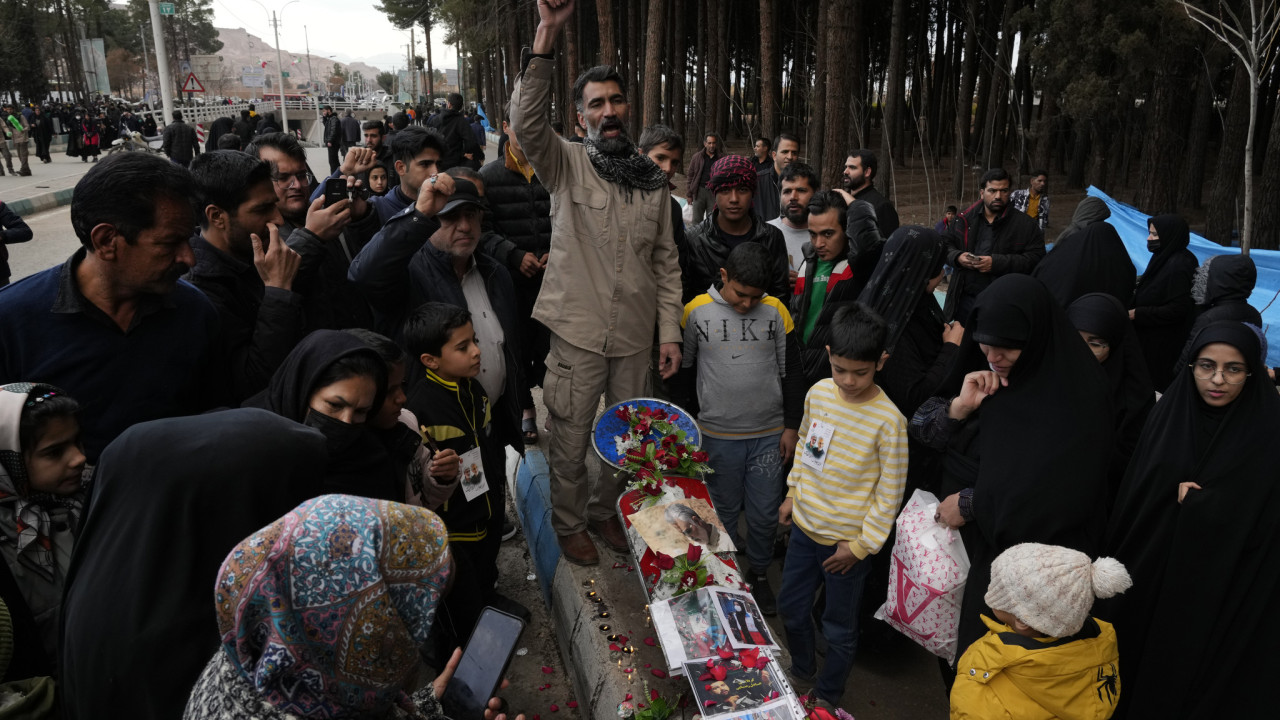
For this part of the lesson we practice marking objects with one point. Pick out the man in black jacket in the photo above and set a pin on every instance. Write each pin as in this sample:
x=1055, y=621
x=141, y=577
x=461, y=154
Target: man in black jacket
x=517, y=233
x=988, y=240
x=350, y=133
x=244, y=268
x=429, y=254
x=180, y=141
x=731, y=223
x=332, y=136
x=859, y=180
x=460, y=146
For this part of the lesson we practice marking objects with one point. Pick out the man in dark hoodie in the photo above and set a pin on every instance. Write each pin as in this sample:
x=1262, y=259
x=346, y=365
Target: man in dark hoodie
x=460, y=146
x=731, y=223
x=986, y=241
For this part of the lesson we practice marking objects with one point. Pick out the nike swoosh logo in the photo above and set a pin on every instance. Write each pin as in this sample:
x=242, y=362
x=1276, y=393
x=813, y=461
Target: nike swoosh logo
x=735, y=357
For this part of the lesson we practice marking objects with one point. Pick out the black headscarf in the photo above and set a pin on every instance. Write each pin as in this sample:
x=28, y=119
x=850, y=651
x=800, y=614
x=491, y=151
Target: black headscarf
x=1132, y=393
x=1175, y=236
x=1091, y=260
x=1044, y=444
x=290, y=389
x=1231, y=278
x=171, y=498
x=1090, y=210
x=911, y=257
x=1165, y=310
x=1198, y=630
x=359, y=467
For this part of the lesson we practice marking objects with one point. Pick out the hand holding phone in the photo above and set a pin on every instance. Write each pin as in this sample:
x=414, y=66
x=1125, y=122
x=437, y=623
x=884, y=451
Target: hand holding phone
x=479, y=673
x=335, y=190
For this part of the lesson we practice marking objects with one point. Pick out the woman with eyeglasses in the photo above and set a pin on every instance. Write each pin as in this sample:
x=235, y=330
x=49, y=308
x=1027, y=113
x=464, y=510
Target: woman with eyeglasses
x=1196, y=525
x=1105, y=327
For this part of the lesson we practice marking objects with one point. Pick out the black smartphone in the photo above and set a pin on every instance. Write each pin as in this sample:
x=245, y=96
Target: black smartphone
x=484, y=662
x=335, y=189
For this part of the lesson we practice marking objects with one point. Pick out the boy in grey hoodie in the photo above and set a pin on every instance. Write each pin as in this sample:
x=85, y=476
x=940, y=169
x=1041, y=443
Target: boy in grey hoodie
x=741, y=346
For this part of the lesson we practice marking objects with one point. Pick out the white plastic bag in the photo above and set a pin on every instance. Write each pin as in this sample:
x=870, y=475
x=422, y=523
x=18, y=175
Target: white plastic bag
x=926, y=578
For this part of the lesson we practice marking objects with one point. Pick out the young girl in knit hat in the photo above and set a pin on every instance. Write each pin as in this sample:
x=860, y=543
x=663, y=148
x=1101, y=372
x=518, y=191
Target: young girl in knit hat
x=1045, y=656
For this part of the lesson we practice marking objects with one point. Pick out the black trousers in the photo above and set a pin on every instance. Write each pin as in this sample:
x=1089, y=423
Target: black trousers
x=333, y=157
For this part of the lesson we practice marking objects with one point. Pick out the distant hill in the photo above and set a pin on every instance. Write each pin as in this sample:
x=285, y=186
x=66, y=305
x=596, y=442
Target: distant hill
x=241, y=49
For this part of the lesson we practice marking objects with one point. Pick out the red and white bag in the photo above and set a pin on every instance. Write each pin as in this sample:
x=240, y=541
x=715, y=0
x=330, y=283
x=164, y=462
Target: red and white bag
x=926, y=578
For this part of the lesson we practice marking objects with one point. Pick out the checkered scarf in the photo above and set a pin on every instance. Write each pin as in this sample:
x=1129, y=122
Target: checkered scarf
x=631, y=171
x=732, y=171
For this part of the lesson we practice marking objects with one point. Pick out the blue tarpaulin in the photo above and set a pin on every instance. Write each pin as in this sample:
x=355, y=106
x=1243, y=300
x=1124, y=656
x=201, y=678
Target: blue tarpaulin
x=1131, y=224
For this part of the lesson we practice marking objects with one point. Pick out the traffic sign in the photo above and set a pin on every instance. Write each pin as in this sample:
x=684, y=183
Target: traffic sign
x=167, y=9
x=284, y=74
x=192, y=84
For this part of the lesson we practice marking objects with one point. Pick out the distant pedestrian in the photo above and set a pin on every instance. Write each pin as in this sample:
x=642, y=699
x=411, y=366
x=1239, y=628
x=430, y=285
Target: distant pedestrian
x=332, y=136
x=42, y=133
x=1034, y=201
x=180, y=141
x=350, y=133
x=16, y=129
x=460, y=146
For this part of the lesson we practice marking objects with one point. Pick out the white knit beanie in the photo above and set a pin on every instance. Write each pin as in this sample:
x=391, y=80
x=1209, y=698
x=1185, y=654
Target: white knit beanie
x=1052, y=588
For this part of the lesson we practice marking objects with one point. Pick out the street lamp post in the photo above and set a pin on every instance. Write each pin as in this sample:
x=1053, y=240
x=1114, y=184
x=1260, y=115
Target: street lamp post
x=275, y=24
x=162, y=65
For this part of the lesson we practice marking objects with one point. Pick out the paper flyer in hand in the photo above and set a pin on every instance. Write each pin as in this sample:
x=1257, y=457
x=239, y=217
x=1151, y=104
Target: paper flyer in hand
x=741, y=618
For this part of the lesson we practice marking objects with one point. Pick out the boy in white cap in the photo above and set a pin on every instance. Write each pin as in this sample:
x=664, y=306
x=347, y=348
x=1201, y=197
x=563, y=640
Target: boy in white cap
x=1045, y=657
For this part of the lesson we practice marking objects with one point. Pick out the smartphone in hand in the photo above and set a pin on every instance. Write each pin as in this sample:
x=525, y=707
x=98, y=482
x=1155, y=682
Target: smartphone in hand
x=484, y=662
x=335, y=189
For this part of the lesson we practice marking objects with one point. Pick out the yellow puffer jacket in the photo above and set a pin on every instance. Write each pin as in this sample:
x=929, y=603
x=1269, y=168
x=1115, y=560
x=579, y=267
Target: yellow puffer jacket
x=1007, y=675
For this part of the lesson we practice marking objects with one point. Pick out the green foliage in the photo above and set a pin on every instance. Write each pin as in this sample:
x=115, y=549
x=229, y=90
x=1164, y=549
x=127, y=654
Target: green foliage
x=21, y=67
x=386, y=81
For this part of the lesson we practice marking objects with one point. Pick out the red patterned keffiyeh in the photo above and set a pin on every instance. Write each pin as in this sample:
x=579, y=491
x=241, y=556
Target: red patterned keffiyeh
x=732, y=171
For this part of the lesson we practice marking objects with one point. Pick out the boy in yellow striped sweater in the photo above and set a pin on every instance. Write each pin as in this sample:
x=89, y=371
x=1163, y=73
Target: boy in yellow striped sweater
x=843, y=494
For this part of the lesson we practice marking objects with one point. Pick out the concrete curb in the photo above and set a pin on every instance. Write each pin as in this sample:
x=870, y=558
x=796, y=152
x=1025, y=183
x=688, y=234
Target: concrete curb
x=598, y=673
x=41, y=202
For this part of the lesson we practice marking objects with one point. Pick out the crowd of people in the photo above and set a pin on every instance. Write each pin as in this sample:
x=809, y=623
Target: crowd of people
x=250, y=381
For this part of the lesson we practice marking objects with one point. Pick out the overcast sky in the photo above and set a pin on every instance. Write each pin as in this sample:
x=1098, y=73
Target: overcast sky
x=349, y=31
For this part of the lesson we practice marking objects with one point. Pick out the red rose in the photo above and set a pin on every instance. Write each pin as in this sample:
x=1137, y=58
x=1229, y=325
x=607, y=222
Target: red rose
x=668, y=441
x=645, y=473
x=671, y=461
x=664, y=561
x=694, y=553
x=643, y=427
x=653, y=489
x=623, y=413
x=688, y=578
x=699, y=456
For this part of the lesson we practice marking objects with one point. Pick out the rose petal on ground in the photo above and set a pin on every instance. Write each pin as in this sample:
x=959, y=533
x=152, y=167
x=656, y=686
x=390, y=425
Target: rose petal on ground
x=628, y=697
x=614, y=647
x=555, y=708
x=572, y=703
x=649, y=641
x=547, y=670
x=658, y=673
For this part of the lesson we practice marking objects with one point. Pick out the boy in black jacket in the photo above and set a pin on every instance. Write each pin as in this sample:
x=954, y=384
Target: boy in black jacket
x=453, y=412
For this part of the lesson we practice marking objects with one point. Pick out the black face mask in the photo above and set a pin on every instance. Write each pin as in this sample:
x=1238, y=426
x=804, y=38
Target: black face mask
x=339, y=436
x=1153, y=247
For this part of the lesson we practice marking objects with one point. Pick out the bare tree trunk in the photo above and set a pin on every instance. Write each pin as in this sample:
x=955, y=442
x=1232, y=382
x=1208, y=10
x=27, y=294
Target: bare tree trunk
x=964, y=101
x=839, y=86
x=1164, y=147
x=636, y=56
x=1266, y=218
x=715, y=52
x=1191, y=181
x=653, y=62
x=676, y=70
x=818, y=113
x=770, y=74
x=723, y=86
x=608, y=45
x=895, y=87
x=1221, y=214
x=1044, y=128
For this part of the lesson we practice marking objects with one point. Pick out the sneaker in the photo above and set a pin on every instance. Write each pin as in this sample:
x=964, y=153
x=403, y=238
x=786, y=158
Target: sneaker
x=508, y=530
x=763, y=594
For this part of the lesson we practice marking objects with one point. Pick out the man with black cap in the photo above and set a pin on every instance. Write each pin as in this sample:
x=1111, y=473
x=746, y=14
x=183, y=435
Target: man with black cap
x=429, y=254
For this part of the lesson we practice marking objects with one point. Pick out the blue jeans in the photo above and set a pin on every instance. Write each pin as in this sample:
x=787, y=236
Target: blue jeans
x=801, y=576
x=747, y=472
